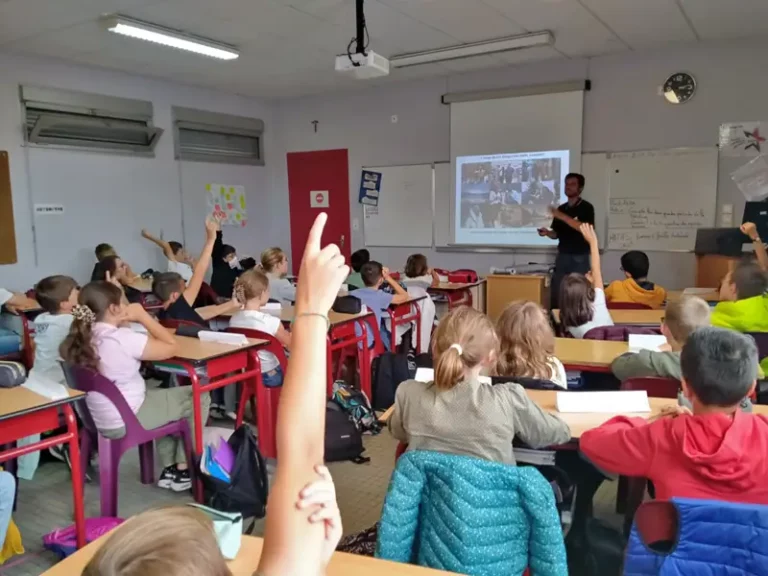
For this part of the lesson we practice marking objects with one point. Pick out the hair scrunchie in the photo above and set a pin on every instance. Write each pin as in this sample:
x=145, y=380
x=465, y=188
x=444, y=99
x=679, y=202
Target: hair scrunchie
x=83, y=313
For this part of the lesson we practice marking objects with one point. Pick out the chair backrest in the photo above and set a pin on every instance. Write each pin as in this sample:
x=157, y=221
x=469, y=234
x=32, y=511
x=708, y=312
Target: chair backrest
x=274, y=345
x=618, y=333
x=462, y=275
x=657, y=521
x=761, y=339
x=88, y=381
x=206, y=296
x=627, y=306
x=656, y=387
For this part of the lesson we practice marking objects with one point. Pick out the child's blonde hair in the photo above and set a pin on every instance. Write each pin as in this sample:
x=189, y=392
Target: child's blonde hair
x=173, y=541
x=271, y=258
x=250, y=285
x=526, y=341
x=464, y=339
x=686, y=315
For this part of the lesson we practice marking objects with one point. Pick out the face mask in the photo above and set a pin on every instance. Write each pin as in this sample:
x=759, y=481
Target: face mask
x=234, y=263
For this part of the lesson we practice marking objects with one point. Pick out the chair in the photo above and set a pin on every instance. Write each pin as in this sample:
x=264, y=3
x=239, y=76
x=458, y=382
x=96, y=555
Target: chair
x=618, y=333
x=627, y=306
x=365, y=356
x=655, y=387
x=206, y=296
x=110, y=451
x=462, y=276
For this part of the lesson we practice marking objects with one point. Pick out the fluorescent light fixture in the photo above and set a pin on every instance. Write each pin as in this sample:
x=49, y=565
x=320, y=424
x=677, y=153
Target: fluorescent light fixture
x=168, y=37
x=508, y=44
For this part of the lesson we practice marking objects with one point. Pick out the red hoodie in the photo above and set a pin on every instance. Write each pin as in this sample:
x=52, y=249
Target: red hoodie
x=710, y=456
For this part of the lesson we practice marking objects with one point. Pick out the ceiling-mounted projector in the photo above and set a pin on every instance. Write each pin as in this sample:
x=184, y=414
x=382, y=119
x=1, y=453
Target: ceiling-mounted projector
x=362, y=65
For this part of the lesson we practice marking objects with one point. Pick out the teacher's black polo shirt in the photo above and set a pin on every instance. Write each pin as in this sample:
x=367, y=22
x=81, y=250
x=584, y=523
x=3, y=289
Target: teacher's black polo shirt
x=571, y=241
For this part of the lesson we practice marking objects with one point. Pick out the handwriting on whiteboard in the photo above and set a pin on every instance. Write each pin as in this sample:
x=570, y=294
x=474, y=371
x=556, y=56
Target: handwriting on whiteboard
x=648, y=239
x=644, y=213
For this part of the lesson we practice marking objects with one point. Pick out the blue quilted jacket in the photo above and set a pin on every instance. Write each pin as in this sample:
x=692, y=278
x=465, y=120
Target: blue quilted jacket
x=471, y=516
x=714, y=539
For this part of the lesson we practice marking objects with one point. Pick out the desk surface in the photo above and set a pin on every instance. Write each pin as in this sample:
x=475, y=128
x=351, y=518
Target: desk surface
x=248, y=559
x=451, y=286
x=142, y=284
x=287, y=314
x=195, y=350
x=712, y=295
x=19, y=400
x=597, y=353
x=26, y=309
x=629, y=317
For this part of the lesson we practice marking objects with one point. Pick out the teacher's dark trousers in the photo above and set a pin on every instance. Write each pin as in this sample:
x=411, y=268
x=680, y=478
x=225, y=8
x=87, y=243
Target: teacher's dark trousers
x=565, y=264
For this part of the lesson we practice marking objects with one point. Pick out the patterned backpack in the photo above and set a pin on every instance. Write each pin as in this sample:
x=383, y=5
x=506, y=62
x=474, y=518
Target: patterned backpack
x=356, y=404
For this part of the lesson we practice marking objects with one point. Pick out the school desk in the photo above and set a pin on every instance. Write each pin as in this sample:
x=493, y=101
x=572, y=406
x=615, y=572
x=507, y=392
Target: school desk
x=247, y=561
x=588, y=355
x=403, y=314
x=460, y=293
x=141, y=284
x=505, y=288
x=630, y=317
x=24, y=413
x=711, y=296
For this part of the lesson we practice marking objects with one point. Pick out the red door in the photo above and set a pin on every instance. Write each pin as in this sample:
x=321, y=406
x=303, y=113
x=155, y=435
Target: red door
x=318, y=182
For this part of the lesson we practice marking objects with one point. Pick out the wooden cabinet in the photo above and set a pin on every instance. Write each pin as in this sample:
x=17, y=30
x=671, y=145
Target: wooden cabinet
x=503, y=289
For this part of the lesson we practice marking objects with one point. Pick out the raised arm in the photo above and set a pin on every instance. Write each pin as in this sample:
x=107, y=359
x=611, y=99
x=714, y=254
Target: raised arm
x=750, y=230
x=435, y=278
x=588, y=231
x=292, y=545
x=164, y=246
x=400, y=295
x=217, y=248
x=201, y=266
x=161, y=344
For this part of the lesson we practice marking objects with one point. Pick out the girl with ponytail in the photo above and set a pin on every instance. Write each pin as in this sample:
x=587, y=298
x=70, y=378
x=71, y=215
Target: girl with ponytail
x=101, y=339
x=252, y=292
x=456, y=412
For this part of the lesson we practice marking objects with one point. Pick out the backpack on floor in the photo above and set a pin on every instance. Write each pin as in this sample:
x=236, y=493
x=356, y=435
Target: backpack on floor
x=387, y=372
x=357, y=406
x=343, y=441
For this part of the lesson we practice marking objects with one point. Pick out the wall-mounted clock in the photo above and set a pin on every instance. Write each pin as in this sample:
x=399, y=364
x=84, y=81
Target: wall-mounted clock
x=679, y=88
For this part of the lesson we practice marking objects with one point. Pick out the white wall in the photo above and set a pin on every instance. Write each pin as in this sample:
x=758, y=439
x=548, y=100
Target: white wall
x=622, y=112
x=109, y=198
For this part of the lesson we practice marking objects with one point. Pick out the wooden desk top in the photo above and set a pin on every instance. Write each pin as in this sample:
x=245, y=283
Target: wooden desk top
x=142, y=284
x=713, y=295
x=26, y=309
x=453, y=286
x=19, y=400
x=248, y=559
x=195, y=350
x=630, y=317
x=597, y=353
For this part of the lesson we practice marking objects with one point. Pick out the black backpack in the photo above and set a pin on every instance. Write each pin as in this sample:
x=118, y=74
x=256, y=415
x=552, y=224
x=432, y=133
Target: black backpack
x=343, y=441
x=387, y=373
x=248, y=487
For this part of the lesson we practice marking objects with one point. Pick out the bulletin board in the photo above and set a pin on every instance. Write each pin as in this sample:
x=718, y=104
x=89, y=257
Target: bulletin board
x=7, y=228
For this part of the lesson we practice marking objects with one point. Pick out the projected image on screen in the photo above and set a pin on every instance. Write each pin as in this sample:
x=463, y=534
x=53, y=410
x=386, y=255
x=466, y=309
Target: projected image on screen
x=504, y=198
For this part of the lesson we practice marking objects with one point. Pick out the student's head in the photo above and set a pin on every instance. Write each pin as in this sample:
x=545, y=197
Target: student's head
x=719, y=368
x=576, y=297
x=746, y=280
x=416, y=266
x=274, y=261
x=682, y=317
x=229, y=255
x=372, y=274
x=168, y=287
x=178, y=251
x=172, y=541
x=464, y=342
x=115, y=266
x=97, y=302
x=57, y=294
x=252, y=286
x=104, y=250
x=635, y=264
x=358, y=258
x=574, y=184
x=526, y=341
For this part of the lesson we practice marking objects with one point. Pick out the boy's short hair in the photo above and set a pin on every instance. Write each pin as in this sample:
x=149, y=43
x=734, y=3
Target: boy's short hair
x=686, y=315
x=103, y=250
x=165, y=284
x=371, y=273
x=52, y=291
x=579, y=177
x=750, y=280
x=719, y=365
x=635, y=263
x=226, y=250
x=176, y=247
x=358, y=258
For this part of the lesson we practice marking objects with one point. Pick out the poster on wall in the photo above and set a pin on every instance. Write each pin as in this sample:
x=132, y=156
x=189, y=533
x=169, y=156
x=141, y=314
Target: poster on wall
x=227, y=203
x=743, y=138
x=370, y=186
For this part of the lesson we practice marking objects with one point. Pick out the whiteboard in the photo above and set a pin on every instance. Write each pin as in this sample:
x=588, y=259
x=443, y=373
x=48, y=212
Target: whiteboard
x=659, y=199
x=404, y=214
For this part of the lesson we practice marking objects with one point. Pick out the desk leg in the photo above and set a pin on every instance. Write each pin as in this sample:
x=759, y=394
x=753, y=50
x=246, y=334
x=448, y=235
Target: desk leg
x=77, y=474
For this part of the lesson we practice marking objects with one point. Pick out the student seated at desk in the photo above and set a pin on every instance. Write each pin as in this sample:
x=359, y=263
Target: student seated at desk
x=418, y=273
x=98, y=340
x=457, y=413
x=582, y=300
x=178, y=296
x=179, y=260
x=715, y=451
x=113, y=269
x=226, y=267
x=378, y=301
x=636, y=288
x=57, y=295
x=102, y=251
x=358, y=258
x=252, y=292
x=274, y=262
x=527, y=344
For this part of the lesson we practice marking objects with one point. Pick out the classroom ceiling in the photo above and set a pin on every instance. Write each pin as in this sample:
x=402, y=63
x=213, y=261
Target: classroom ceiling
x=288, y=46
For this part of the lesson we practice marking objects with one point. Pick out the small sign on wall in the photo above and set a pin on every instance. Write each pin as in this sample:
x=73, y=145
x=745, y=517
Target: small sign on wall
x=49, y=209
x=318, y=199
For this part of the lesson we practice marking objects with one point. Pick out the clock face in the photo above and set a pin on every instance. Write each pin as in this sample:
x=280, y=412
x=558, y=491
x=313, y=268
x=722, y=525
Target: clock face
x=679, y=88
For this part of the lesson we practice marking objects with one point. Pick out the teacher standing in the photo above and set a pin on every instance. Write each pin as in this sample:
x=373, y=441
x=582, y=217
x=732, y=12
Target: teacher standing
x=572, y=249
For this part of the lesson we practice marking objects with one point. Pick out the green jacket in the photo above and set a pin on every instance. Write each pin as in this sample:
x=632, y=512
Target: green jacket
x=354, y=280
x=747, y=315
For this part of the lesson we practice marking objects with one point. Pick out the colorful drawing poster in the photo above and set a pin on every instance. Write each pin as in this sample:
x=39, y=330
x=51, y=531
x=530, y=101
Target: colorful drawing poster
x=227, y=203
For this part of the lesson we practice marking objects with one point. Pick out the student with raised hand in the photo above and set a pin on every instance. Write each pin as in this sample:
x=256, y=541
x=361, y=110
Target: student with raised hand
x=179, y=260
x=113, y=269
x=300, y=538
x=582, y=299
x=104, y=250
x=374, y=276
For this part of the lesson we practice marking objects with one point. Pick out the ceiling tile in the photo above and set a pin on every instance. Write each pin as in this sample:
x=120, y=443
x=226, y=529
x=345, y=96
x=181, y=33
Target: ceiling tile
x=643, y=23
x=727, y=19
x=530, y=55
x=473, y=63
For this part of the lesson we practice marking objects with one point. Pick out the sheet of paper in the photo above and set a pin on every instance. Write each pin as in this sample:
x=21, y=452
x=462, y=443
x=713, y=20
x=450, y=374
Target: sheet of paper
x=222, y=337
x=46, y=387
x=272, y=306
x=428, y=374
x=639, y=342
x=603, y=402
